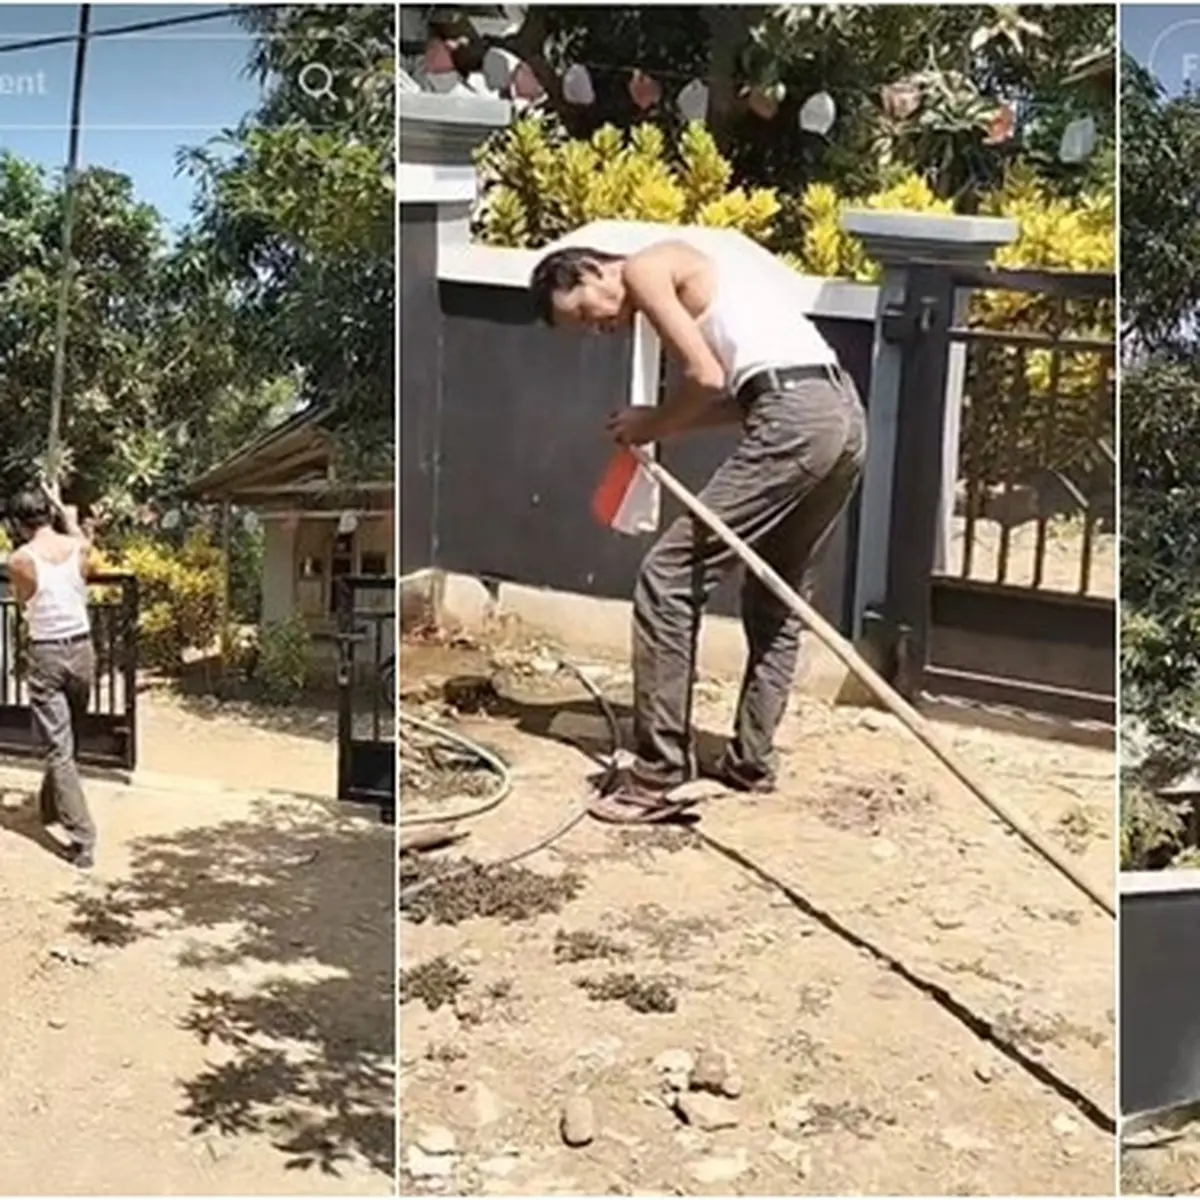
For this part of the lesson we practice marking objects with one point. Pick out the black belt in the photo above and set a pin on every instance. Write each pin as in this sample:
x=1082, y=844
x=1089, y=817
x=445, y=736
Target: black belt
x=780, y=379
x=71, y=641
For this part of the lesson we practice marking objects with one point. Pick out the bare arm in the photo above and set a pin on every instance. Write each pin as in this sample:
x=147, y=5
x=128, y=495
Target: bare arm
x=23, y=576
x=702, y=401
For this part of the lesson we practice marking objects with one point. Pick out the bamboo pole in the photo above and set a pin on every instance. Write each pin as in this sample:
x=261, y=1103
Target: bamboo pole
x=58, y=379
x=919, y=726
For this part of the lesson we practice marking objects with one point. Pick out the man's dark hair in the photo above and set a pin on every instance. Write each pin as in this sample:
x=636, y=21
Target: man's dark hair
x=31, y=511
x=563, y=271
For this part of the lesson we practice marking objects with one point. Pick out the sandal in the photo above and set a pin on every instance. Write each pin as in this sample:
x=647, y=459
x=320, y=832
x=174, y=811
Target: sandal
x=634, y=808
x=631, y=803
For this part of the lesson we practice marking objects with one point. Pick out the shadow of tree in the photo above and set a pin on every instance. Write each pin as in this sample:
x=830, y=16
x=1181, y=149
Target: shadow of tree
x=297, y=899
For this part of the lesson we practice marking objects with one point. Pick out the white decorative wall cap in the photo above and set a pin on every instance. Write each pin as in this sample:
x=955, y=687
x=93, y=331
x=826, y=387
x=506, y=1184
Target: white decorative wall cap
x=429, y=107
x=1160, y=883
x=896, y=238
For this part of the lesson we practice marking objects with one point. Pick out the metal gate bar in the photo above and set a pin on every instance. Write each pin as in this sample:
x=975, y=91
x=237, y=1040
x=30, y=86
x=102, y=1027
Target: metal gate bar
x=366, y=618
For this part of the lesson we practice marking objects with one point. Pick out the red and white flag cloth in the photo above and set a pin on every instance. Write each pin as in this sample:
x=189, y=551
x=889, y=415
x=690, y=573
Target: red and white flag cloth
x=627, y=498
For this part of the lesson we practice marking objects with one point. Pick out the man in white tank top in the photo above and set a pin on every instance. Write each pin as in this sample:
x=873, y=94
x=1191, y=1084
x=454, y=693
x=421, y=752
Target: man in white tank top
x=748, y=358
x=49, y=573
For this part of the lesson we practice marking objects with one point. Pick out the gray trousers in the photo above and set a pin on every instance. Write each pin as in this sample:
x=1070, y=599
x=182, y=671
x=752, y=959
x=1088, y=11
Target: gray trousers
x=781, y=490
x=60, y=684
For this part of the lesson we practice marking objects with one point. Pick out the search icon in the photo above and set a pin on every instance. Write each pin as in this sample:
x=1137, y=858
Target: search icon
x=316, y=81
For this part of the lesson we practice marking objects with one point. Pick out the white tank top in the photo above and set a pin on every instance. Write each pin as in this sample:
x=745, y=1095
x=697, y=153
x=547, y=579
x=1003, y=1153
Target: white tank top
x=59, y=608
x=752, y=323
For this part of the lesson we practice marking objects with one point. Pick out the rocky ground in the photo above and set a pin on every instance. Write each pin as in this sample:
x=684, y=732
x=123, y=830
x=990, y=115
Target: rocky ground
x=860, y=985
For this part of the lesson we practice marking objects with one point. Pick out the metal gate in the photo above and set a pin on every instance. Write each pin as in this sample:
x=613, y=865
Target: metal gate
x=107, y=735
x=1002, y=570
x=366, y=620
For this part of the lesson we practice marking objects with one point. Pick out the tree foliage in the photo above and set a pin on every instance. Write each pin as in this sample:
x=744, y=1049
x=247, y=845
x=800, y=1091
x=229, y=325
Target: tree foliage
x=281, y=289
x=300, y=205
x=160, y=379
x=917, y=86
x=1160, y=468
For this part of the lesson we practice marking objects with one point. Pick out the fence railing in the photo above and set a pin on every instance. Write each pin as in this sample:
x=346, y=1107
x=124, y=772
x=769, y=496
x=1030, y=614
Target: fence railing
x=1037, y=464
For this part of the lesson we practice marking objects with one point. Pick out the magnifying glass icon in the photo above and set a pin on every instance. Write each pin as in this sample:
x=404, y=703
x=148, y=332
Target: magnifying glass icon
x=316, y=81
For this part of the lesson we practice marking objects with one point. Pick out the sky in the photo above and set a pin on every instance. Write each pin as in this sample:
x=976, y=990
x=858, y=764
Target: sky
x=1166, y=39
x=145, y=96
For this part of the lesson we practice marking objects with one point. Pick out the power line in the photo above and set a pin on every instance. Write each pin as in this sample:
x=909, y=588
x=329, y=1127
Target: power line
x=66, y=39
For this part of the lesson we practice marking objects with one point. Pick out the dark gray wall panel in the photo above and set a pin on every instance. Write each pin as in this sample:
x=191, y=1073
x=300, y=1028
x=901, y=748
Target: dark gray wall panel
x=1160, y=999
x=420, y=384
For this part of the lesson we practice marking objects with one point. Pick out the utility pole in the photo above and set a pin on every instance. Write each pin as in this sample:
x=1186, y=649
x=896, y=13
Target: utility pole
x=54, y=442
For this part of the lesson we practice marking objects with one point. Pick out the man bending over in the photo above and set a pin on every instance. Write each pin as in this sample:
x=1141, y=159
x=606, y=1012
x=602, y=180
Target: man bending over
x=49, y=572
x=749, y=358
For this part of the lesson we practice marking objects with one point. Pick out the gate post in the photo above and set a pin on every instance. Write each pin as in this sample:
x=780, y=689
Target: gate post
x=913, y=408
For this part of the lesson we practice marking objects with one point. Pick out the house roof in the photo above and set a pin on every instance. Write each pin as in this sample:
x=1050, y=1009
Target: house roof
x=295, y=452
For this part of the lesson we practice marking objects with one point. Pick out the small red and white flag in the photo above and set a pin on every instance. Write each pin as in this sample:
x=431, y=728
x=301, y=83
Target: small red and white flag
x=627, y=498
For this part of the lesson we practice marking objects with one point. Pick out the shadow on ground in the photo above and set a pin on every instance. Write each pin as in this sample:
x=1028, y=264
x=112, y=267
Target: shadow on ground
x=299, y=903
x=582, y=723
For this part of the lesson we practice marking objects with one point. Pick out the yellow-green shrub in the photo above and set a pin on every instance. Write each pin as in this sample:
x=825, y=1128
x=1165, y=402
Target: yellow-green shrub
x=540, y=185
x=180, y=590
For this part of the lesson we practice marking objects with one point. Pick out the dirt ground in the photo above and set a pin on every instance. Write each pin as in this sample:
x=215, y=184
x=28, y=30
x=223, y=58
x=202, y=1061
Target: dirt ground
x=913, y=1002
x=210, y=1012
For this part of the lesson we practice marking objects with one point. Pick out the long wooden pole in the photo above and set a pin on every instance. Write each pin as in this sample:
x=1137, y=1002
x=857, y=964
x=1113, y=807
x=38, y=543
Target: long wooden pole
x=57, y=382
x=919, y=726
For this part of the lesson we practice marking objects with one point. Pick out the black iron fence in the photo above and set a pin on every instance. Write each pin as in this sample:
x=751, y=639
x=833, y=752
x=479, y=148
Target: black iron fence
x=1035, y=498
x=1003, y=591
x=107, y=735
x=366, y=608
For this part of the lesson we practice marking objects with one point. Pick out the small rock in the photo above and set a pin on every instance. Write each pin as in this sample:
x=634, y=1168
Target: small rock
x=985, y=1072
x=785, y=1150
x=719, y=1169
x=733, y=1086
x=470, y=956
x=436, y=1139
x=578, y=1123
x=706, y=1113
x=56, y=1023
x=804, y=1166
x=869, y=719
x=543, y=664
x=793, y=1117
x=884, y=851
x=946, y=922
x=709, y=1072
x=421, y=1165
x=674, y=1062
x=1065, y=1126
